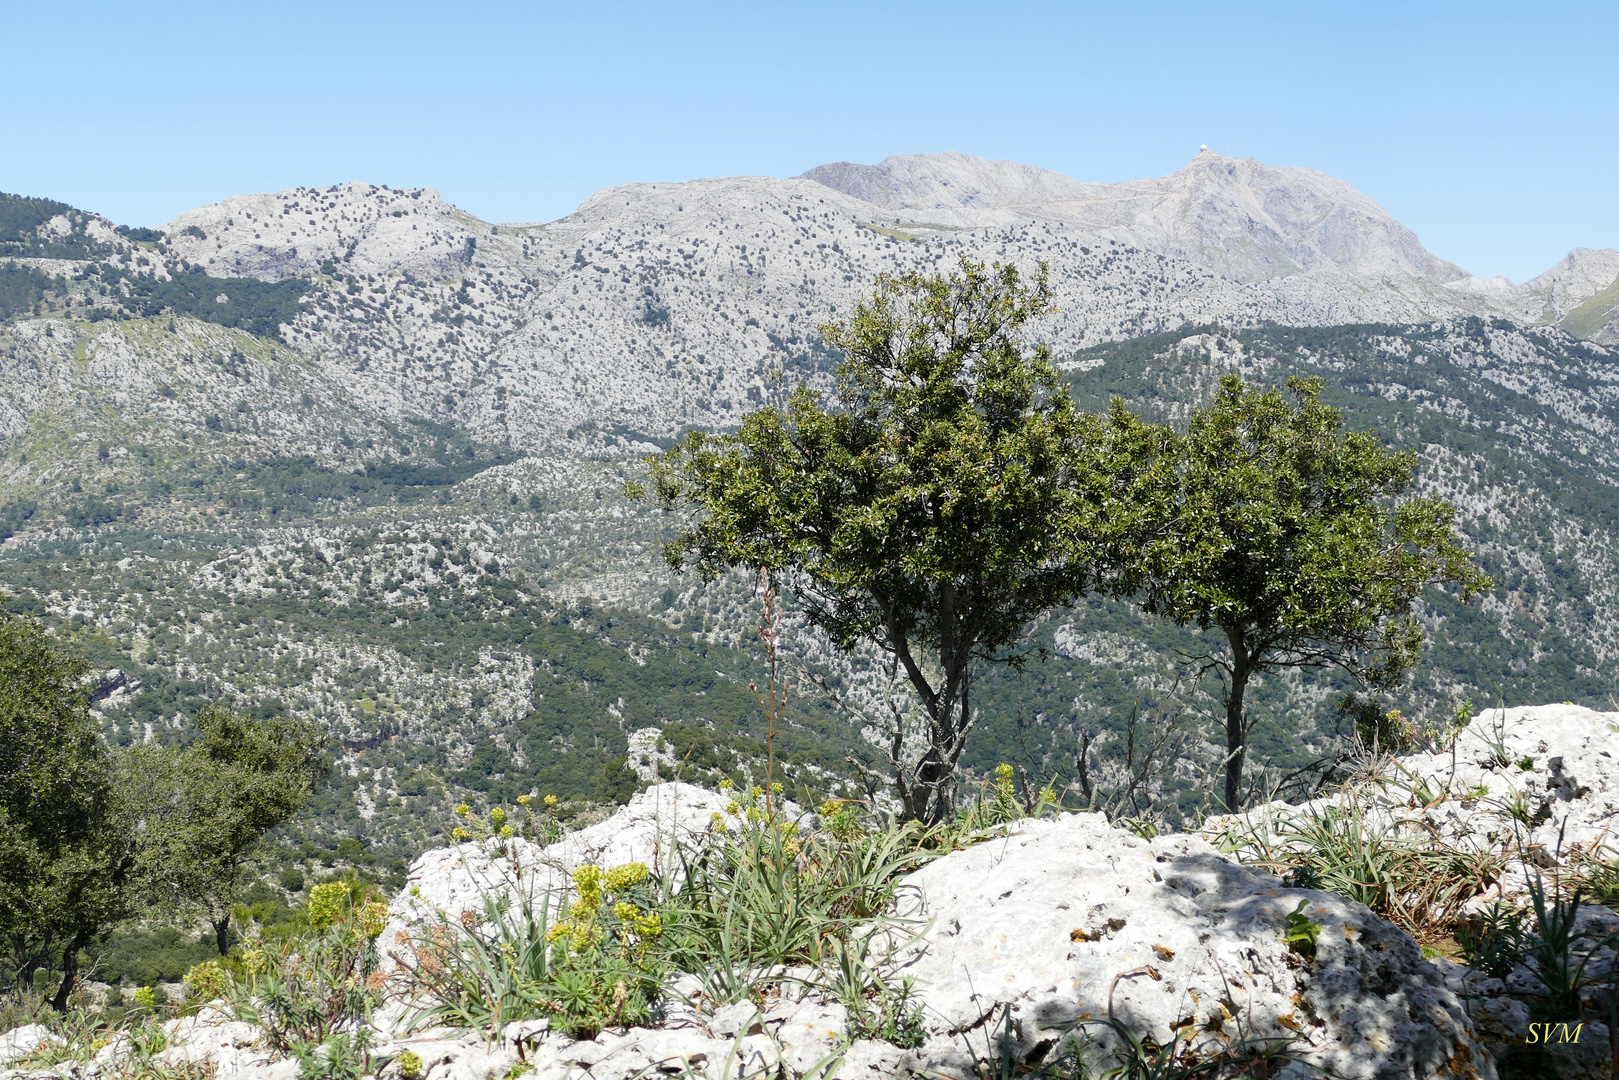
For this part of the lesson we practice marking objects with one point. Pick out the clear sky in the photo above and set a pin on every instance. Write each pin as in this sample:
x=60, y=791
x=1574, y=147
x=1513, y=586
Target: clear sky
x=1490, y=129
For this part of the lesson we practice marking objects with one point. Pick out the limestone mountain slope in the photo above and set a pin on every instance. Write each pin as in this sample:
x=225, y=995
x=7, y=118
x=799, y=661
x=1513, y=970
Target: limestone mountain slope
x=1323, y=251
x=652, y=306
x=354, y=453
x=290, y=234
x=1240, y=218
x=661, y=305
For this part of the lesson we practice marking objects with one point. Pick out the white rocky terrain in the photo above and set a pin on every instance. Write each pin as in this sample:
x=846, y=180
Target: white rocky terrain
x=1051, y=923
x=1048, y=925
x=655, y=305
x=1242, y=219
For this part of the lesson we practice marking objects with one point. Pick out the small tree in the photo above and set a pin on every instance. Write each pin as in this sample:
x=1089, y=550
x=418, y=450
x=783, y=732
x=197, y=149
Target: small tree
x=1295, y=541
x=948, y=498
x=67, y=843
x=219, y=796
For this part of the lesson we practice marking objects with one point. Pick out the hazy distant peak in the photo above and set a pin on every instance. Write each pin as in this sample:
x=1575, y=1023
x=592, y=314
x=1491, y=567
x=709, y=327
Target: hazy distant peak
x=941, y=184
x=1237, y=216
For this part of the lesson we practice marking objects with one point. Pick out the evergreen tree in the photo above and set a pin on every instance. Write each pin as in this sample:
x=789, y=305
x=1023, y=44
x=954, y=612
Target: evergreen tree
x=220, y=796
x=949, y=496
x=1297, y=543
x=67, y=842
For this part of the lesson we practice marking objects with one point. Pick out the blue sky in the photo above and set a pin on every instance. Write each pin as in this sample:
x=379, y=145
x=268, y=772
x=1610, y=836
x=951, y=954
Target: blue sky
x=1492, y=130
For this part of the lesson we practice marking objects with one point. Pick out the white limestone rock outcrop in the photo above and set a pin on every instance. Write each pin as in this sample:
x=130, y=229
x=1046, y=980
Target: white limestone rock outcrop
x=447, y=881
x=1536, y=787
x=20, y=1042
x=1051, y=920
x=1058, y=917
x=1539, y=784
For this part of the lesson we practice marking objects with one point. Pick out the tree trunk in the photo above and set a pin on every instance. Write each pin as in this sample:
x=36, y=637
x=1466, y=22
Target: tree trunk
x=70, y=971
x=1236, y=730
x=221, y=927
x=949, y=712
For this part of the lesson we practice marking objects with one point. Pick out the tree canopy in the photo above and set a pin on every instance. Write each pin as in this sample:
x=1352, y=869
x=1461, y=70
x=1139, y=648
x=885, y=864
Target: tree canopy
x=90, y=836
x=946, y=496
x=1295, y=541
x=219, y=796
x=66, y=850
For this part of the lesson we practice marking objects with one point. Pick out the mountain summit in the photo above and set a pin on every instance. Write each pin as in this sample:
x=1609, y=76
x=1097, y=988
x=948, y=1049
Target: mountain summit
x=1240, y=218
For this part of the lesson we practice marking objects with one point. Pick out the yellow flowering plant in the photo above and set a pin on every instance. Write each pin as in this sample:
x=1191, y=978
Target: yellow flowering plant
x=312, y=990
x=540, y=826
x=598, y=965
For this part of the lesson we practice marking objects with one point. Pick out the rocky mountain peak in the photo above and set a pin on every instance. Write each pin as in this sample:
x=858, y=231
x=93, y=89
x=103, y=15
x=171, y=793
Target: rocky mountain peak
x=954, y=188
x=363, y=227
x=1238, y=217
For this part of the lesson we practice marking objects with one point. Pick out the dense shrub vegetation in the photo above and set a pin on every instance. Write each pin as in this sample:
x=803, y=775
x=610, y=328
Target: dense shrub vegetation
x=21, y=287
x=259, y=307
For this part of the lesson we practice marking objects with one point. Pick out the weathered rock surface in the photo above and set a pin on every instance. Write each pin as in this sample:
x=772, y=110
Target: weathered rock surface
x=1242, y=219
x=22, y=1041
x=1057, y=923
x=1539, y=783
x=1061, y=919
x=1052, y=919
x=445, y=882
x=1539, y=788
x=370, y=229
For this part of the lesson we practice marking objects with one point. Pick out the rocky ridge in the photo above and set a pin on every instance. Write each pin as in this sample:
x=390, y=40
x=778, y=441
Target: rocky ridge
x=676, y=302
x=1044, y=929
x=658, y=305
x=1242, y=219
x=1049, y=926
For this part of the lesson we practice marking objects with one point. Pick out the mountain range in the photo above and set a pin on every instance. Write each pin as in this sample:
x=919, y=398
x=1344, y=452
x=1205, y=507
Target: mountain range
x=352, y=452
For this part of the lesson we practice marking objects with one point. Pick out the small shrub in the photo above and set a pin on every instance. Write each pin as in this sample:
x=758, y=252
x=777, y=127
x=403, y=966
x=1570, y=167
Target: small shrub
x=207, y=981
x=1299, y=932
x=315, y=986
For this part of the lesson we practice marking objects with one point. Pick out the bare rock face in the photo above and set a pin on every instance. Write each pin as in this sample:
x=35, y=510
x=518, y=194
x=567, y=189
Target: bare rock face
x=1242, y=219
x=658, y=306
x=366, y=228
x=445, y=882
x=1580, y=295
x=23, y=1041
x=1073, y=920
x=1539, y=784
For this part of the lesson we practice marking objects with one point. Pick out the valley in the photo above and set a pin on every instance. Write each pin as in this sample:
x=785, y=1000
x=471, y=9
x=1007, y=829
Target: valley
x=354, y=454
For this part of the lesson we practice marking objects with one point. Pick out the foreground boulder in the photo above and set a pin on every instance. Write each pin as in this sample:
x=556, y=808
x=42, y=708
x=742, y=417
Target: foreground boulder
x=445, y=882
x=1068, y=921
x=1034, y=935
x=1534, y=793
